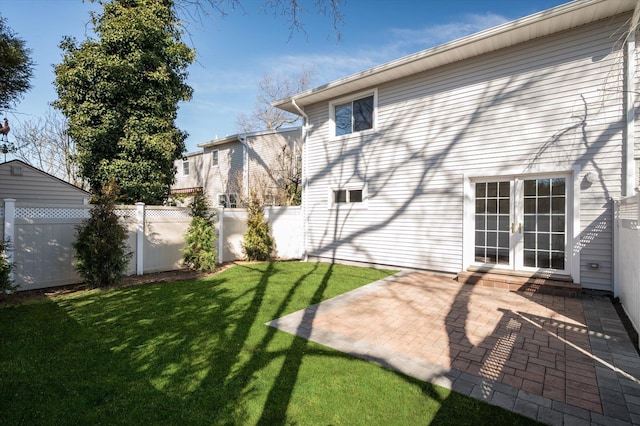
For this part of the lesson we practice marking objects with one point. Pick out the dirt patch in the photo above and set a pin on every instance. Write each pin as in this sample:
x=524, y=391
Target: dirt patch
x=133, y=280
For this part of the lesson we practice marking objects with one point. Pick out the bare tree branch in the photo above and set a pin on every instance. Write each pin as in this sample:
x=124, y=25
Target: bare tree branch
x=45, y=144
x=264, y=116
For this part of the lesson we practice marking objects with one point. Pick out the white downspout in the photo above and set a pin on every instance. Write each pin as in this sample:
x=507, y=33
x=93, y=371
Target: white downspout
x=305, y=182
x=245, y=165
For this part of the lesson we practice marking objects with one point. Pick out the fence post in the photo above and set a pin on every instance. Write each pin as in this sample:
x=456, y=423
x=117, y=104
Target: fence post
x=140, y=239
x=220, y=234
x=9, y=230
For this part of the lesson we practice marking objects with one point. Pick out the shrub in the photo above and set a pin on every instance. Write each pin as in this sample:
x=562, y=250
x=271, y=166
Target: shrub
x=6, y=283
x=101, y=243
x=258, y=242
x=200, y=252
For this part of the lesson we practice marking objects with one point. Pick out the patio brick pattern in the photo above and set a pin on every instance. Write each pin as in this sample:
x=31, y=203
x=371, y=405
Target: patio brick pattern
x=552, y=358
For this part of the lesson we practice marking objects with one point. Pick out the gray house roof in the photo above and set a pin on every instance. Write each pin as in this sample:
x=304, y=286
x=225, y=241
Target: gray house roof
x=550, y=21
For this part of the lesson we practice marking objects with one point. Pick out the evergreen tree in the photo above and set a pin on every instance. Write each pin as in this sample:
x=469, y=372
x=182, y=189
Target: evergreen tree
x=120, y=94
x=258, y=242
x=101, y=248
x=16, y=66
x=200, y=252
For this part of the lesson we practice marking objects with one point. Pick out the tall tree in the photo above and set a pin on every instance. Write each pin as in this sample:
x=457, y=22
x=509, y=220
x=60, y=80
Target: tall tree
x=16, y=66
x=44, y=142
x=120, y=94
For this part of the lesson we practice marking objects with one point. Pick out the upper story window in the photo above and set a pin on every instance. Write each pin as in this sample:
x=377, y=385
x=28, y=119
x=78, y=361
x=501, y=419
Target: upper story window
x=353, y=115
x=214, y=158
x=185, y=168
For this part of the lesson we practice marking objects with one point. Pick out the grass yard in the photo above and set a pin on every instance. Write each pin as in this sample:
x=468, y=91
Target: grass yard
x=198, y=352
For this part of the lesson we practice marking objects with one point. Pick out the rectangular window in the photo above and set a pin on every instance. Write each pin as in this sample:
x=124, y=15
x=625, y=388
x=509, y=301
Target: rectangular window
x=228, y=201
x=340, y=196
x=347, y=196
x=354, y=116
x=214, y=158
x=233, y=201
x=185, y=168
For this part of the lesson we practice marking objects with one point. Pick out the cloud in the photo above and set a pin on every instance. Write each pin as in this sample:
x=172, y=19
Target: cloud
x=431, y=36
x=402, y=42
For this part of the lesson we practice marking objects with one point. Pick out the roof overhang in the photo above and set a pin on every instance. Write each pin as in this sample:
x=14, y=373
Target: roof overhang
x=560, y=18
x=243, y=136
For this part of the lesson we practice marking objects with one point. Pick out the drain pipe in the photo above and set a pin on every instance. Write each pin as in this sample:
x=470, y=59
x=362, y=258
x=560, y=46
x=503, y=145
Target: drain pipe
x=305, y=182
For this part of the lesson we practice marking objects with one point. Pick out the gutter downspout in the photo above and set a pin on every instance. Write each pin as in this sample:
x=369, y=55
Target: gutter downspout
x=245, y=164
x=305, y=181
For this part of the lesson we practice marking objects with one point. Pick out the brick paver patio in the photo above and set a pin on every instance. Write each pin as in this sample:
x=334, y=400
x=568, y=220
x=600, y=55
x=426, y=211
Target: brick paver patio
x=558, y=360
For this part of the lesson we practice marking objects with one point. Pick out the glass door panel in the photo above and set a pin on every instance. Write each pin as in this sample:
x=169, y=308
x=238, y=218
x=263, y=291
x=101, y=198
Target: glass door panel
x=521, y=223
x=492, y=219
x=544, y=223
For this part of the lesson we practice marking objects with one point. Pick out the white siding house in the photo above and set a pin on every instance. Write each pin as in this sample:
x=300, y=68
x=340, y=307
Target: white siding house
x=227, y=167
x=502, y=150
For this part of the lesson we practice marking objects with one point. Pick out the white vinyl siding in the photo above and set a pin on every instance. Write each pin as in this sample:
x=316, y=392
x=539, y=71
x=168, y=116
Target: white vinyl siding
x=554, y=103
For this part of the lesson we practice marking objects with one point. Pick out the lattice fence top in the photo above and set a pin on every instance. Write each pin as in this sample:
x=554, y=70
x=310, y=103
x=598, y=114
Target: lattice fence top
x=174, y=213
x=83, y=213
x=51, y=213
x=126, y=212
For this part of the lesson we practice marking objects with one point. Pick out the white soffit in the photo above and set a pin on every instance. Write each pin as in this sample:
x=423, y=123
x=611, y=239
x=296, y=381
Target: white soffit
x=560, y=18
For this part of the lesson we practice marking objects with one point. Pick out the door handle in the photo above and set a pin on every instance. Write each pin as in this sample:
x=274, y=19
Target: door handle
x=512, y=227
x=520, y=227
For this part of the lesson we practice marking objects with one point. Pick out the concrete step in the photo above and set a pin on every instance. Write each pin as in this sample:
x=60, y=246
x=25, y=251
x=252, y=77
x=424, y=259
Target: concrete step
x=526, y=284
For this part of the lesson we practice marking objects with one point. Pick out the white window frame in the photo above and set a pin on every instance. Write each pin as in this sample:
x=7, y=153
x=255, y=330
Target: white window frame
x=364, y=204
x=227, y=198
x=217, y=155
x=188, y=169
x=351, y=98
x=571, y=173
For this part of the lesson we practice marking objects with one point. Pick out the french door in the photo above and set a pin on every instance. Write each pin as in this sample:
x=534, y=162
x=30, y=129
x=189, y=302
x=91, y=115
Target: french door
x=521, y=223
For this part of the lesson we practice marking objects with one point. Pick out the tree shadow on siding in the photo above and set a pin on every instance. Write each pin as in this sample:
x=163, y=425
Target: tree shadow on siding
x=348, y=234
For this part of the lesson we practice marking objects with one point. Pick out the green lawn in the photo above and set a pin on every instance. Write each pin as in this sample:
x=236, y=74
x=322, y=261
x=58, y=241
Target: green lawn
x=198, y=352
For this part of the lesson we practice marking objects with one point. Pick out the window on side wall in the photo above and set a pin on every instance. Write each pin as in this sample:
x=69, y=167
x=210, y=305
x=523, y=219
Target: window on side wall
x=353, y=115
x=185, y=168
x=229, y=201
x=214, y=158
x=355, y=197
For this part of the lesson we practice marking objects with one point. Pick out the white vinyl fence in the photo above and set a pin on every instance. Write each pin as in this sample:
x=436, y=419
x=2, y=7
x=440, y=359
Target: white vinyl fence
x=42, y=237
x=627, y=257
x=286, y=229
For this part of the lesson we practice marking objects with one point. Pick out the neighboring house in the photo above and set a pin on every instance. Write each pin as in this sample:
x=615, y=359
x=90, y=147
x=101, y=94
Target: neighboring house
x=26, y=184
x=499, y=151
x=227, y=168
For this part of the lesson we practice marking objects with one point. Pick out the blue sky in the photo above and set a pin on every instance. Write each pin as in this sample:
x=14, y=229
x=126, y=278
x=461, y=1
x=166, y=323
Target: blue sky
x=235, y=51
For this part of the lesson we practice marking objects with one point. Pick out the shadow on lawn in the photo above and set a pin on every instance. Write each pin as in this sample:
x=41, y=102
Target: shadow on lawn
x=192, y=353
